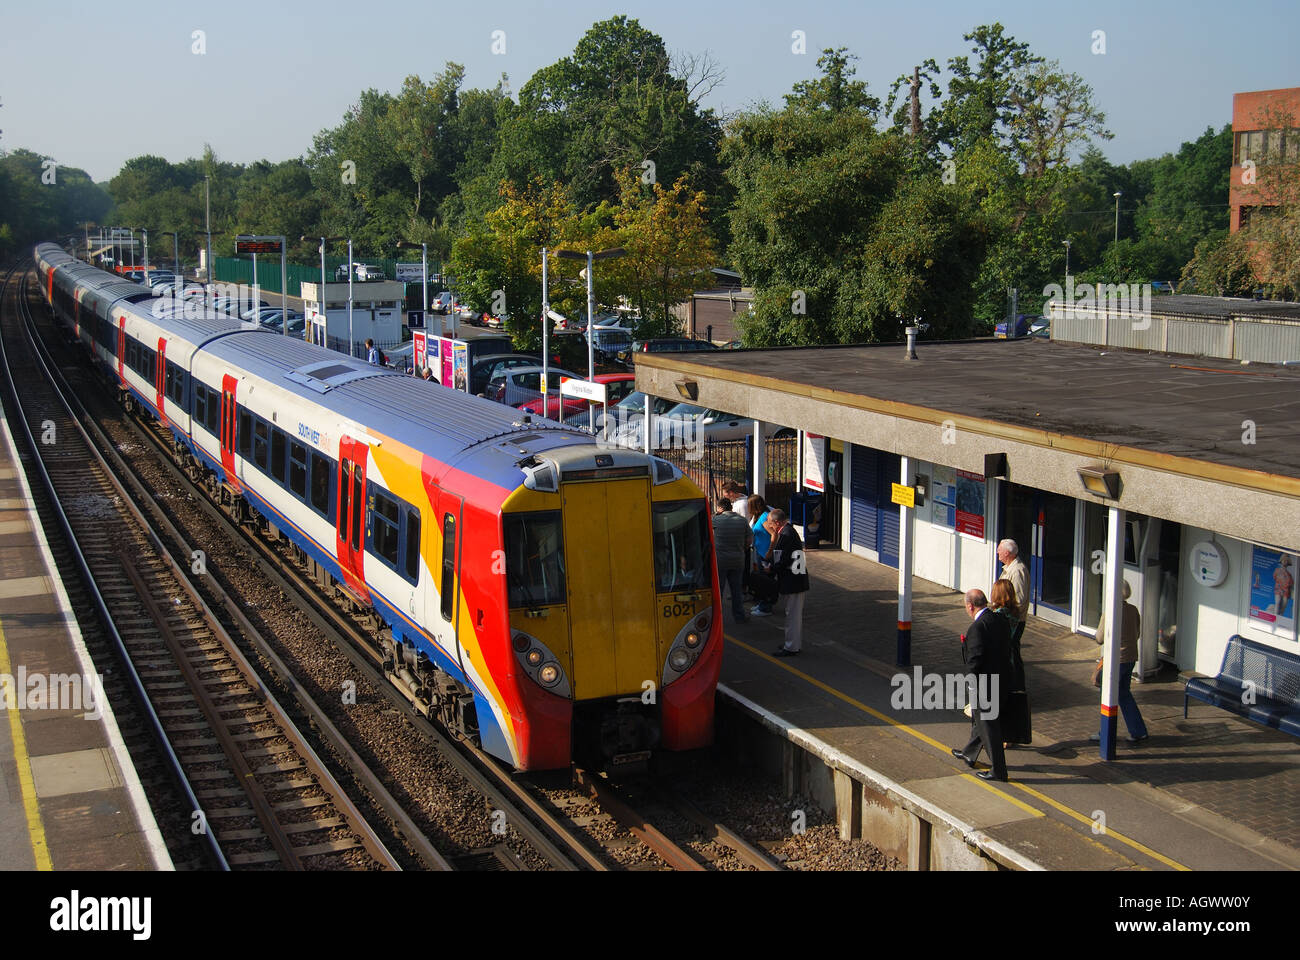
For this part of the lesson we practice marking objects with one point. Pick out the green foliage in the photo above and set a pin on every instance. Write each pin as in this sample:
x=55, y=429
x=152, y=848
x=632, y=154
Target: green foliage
x=32, y=210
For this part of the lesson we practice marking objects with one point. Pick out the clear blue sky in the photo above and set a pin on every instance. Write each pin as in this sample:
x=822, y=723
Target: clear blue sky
x=94, y=84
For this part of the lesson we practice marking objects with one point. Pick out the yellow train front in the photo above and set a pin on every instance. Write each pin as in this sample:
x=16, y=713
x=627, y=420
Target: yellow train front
x=612, y=606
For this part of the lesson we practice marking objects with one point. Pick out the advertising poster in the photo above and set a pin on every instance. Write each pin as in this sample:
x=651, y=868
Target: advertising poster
x=419, y=350
x=814, y=462
x=970, y=503
x=461, y=365
x=1272, y=590
x=943, y=496
x=444, y=346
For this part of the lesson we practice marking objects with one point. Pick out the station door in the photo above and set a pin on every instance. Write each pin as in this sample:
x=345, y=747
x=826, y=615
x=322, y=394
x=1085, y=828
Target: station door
x=873, y=520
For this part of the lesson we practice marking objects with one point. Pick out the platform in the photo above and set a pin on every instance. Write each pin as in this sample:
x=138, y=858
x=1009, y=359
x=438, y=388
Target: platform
x=69, y=797
x=1212, y=792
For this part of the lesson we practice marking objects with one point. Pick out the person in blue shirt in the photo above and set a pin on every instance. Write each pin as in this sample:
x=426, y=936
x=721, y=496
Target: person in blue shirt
x=758, y=511
x=372, y=355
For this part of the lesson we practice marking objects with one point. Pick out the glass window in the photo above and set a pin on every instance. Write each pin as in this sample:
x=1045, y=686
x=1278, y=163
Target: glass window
x=245, y=434
x=298, y=470
x=277, y=454
x=260, y=444
x=682, y=554
x=358, y=506
x=320, y=484
x=412, y=558
x=448, y=588
x=534, y=558
x=200, y=404
x=384, y=517
x=214, y=410
x=345, y=492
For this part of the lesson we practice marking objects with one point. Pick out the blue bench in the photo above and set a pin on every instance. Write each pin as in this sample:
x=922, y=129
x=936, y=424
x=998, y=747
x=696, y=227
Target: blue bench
x=1260, y=683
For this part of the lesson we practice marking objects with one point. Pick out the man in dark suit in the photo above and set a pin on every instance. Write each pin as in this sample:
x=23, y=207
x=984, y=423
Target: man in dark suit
x=987, y=653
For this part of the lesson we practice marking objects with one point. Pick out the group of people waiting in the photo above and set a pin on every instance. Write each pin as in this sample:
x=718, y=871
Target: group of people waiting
x=991, y=650
x=758, y=549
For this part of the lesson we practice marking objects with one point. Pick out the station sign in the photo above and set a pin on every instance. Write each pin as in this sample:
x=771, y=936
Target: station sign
x=572, y=387
x=415, y=319
x=258, y=245
x=903, y=496
x=408, y=272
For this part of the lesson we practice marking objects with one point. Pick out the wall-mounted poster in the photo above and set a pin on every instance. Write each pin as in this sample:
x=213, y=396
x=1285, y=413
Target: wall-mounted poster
x=1272, y=590
x=461, y=366
x=418, y=354
x=943, y=495
x=970, y=503
x=444, y=346
x=814, y=462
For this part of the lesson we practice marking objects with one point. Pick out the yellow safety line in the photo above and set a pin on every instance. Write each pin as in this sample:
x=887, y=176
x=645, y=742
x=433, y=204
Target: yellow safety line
x=989, y=786
x=898, y=725
x=1108, y=832
x=40, y=850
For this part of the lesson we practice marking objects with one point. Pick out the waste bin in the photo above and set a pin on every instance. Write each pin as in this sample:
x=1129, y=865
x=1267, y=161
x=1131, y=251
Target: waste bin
x=806, y=511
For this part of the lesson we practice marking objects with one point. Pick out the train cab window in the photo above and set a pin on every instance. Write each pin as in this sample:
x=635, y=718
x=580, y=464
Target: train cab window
x=245, y=434
x=298, y=471
x=358, y=507
x=681, y=546
x=412, y=558
x=260, y=443
x=534, y=558
x=320, y=485
x=384, y=519
x=448, y=589
x=277, y=454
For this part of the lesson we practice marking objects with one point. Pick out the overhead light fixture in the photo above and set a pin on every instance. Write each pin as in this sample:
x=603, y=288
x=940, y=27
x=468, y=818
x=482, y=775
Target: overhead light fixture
x=1099, y=481
x=688, y=389
x=995, y=465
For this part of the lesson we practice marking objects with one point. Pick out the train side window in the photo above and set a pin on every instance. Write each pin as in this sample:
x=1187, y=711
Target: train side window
x=448, y=590
x=358, y=507
x=345, y=490
x=245, y=434
x=259, y=443
x=298, y=470
x=320, y=484
x=200, y=405
x=277, y=455
x=384, y=518
x=214, y=410
x=412, y=558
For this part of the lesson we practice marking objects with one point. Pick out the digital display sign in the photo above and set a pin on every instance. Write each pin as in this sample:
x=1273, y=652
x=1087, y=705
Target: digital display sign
x=257, y=246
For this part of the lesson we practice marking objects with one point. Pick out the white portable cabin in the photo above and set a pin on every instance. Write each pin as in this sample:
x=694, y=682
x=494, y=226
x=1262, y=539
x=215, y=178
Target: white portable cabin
x=376, y=313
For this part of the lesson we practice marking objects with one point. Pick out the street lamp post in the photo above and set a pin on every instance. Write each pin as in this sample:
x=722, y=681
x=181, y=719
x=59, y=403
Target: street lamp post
x=352, y=343
x=546, y=337
x=1067, y=261
x=145, y=233
x=176, y=252
x=1118, y=193
x=591, y=258
x=207, y=223
x=320, y=303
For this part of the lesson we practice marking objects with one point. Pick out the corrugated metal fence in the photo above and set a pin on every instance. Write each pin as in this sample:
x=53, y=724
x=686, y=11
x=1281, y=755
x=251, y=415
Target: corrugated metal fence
x=240, y=270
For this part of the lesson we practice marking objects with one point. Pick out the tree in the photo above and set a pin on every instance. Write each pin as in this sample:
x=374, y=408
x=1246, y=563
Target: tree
x=834, y=90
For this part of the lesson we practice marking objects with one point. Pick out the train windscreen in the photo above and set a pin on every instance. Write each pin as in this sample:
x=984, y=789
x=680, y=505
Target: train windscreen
x=534, y=558
x=683, y=560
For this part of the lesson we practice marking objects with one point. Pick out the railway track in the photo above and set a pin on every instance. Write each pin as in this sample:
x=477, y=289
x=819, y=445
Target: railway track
x=259, y=793
x=547, y=827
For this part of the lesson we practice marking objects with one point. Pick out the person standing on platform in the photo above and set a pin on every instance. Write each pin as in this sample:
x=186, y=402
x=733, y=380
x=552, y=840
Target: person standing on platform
x=788, y=563
x=986, y=652
x=1014, y=569
x=731, y=539
x=372, y=355
x=739, y=499
x=1130, y=629
x=1016, y=726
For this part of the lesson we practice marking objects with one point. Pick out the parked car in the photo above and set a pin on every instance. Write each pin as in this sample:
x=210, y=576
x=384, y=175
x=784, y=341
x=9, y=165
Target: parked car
x=617, y=386
x=621, y=321
x=442, y=303
x=367, y=273
x=273, y=317
x=485, y=368
x=521, y=384
x=687, y=424
x=568, y=348
x=632, y=405
x=664, y=345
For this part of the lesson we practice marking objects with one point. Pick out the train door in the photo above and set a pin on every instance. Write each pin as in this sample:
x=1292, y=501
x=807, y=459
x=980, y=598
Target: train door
x=610, y=577
x=228, y=387
x=160, y=380
x=450, y=511
x=350, y=541
x=121, y=349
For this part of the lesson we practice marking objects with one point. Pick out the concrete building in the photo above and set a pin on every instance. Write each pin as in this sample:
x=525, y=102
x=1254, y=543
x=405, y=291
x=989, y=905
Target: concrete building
x=1265, y=126
x=376, y=313
x=1184, y=475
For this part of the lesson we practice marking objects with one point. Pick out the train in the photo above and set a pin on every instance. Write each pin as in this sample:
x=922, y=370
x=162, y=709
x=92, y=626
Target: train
x=550, y=599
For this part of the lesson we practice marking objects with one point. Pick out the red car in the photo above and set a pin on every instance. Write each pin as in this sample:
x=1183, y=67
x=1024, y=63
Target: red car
x=617, y=386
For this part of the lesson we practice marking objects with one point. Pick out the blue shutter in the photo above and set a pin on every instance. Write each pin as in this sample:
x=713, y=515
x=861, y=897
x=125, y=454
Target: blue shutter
x=887, y=520
x=863, y=511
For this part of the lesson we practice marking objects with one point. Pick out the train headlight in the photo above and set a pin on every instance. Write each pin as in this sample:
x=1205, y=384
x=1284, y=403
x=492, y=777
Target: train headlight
x=693, y=639
x=535, y=657
x=549, y=674
x=680, y=659
x=702, y=622
x=522, y=643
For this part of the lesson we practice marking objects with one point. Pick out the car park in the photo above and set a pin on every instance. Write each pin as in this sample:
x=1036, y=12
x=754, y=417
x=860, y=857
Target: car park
x=617, y=386
x=486, y=367
x=687, y=425
x=632, y=405
x=664, y=345
x=522, y=384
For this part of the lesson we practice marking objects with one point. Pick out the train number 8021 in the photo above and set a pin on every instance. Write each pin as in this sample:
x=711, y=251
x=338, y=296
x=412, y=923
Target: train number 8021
x=678, y=609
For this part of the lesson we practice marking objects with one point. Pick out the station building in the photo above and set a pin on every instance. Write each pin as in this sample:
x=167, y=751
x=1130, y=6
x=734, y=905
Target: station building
x=376, y=313
x=1188, y=467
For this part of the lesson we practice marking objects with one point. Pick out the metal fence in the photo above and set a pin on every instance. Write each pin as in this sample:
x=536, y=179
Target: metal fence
x=240, y=270
x=724, y=460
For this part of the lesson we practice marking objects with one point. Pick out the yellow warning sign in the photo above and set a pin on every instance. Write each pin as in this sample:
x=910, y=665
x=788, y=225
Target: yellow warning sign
x=903, y=496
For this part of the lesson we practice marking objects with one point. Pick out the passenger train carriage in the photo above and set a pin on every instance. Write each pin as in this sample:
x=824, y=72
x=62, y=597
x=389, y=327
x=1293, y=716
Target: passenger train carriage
x=548, y=598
